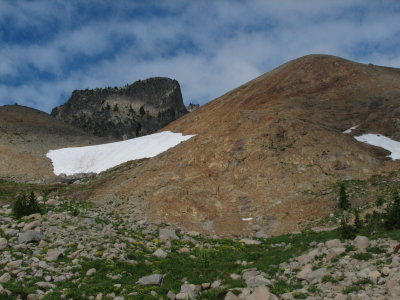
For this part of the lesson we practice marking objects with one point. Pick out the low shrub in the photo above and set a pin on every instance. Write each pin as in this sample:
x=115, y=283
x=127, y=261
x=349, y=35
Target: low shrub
x=344, y=202
x=392, y=216
x=346, y=230
x=25, y=206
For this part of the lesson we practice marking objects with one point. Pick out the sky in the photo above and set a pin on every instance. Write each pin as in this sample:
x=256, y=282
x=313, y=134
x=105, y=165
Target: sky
x=49, y=48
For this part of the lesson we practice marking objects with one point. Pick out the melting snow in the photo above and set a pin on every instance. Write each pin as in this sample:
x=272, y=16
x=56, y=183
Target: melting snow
x=102, y=157
x=381, y=141
x=350, y=129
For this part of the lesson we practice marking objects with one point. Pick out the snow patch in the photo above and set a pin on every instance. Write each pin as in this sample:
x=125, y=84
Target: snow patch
x=247, y=219
x=95, y=159
x=350, y=129
x=381, y=141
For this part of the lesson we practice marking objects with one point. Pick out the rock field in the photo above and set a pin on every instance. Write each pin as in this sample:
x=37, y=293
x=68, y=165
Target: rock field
x=67, y=253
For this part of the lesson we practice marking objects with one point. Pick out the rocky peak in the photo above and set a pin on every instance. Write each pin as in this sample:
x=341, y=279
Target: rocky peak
x=192, y=107
x=130, y=111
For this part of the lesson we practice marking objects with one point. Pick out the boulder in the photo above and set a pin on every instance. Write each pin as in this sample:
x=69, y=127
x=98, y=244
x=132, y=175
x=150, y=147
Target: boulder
x=261, y=293
x=361, y=242
x=190, y=290
x=216, y=284
x=160, y=253
x=302, y=275
x=256, y=281
x=250, y=242
x=336, y=243
x=3, y=243
x=231, y=296
x=374, y=275
x=54, y=254
x=6, y=277
x=171, y=295
x=31, y=225
x=91, y=272
x=316, y=276
x=155, y=279
x=30, y=236
x=167, y=234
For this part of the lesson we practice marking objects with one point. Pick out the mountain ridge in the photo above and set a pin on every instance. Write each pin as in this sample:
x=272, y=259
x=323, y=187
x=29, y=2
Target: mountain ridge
x=26, y=136
x=267, y=150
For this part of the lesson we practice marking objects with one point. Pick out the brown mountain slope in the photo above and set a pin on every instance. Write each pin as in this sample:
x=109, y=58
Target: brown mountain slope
x=269, y=150
x=26, y=135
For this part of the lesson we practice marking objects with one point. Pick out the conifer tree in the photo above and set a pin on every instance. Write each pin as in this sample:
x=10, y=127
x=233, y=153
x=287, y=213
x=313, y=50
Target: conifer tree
x=344, y=202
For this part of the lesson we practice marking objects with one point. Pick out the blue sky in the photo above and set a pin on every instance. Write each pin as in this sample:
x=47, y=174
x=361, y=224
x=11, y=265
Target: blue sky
x=48, y=48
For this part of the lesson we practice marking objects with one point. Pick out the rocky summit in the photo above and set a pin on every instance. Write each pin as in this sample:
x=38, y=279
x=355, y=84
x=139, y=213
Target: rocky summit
x=120, y=113
x=268, y=155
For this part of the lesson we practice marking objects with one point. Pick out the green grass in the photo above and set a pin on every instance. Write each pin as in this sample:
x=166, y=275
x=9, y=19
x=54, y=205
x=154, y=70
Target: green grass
x=285, y=286
x=351, y=289
x=329, y=278
x=375, y=250
x=9, y=190
x=208, y=265
x=299, y=295
x=362, y=256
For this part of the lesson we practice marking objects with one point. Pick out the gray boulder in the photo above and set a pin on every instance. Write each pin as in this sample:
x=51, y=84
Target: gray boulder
x=189, y=290
x=3, y=243
x=54, y=254
x=30, y=236
x=155, y=279
x=261, y=293
x=231, y=296
x=361, y=242
x=316, y=276
x=167, y=234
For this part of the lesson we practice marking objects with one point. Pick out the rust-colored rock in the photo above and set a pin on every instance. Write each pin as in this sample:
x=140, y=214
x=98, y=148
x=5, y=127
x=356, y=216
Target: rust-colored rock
x=269, y=150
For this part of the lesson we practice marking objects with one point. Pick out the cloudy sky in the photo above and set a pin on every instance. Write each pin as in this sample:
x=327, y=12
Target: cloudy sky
x=48, y=48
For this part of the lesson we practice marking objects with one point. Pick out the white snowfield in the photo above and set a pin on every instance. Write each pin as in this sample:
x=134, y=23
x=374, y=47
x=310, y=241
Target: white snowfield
x=381, y=141
x=95, y=159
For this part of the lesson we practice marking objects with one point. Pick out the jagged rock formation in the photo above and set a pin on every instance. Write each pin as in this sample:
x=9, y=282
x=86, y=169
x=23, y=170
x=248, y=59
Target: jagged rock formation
x=192, y=107
x=134, y=110
x=26, y=134
x=267, y=155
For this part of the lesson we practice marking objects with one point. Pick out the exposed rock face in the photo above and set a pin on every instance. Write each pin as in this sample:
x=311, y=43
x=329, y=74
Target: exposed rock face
x=267, y=154
x=192, y=107
x=135, y=110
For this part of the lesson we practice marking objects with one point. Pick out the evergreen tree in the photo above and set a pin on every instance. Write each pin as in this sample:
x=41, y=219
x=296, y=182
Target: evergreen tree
x=141, y=111
x=346, y=230
x=392, y=216
x=24, y=206
x=344, y=202
x=357, y=221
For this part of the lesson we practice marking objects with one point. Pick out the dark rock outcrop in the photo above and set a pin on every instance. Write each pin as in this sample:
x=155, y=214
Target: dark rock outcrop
x=192, y=107
x=134, y=110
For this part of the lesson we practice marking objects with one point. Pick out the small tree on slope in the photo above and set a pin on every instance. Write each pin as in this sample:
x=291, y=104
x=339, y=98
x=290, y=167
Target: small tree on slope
x=343, y=198
x=24, y=206
x=392, y=217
